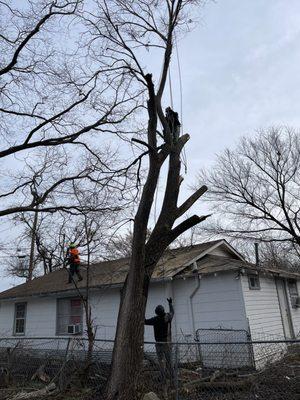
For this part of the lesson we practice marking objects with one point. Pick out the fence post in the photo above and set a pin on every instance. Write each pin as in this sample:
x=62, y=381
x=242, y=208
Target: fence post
x=176, y=370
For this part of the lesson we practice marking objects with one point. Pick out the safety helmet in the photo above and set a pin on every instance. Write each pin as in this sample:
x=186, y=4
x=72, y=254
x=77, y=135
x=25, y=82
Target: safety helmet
x=160, y=310
x=72, y=245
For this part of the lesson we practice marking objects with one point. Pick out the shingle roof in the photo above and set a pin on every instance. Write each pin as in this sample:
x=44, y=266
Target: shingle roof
x=108, y=273
x=173, y=263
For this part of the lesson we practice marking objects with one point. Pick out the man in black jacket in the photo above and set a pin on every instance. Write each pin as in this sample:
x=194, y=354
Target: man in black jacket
x=162, y=334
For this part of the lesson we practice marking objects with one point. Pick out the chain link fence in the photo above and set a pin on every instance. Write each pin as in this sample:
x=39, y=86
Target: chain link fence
x=236, y=350
x=206, y=369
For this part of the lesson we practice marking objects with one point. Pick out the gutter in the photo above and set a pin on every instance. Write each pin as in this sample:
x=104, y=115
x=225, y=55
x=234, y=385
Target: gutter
x=192, y=295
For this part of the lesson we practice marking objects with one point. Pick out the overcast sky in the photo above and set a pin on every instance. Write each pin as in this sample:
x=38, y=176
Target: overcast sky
x=240, y=72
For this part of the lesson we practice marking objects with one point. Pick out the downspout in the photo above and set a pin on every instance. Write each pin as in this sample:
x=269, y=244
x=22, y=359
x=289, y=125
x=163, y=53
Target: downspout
x=192, y=295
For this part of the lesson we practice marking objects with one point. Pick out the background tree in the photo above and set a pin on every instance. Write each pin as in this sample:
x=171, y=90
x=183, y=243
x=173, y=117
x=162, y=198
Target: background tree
x=281, y=255
x=119, y=245
x=53, y=94
x=108, y=201
x=126, y=31
x=254, y=189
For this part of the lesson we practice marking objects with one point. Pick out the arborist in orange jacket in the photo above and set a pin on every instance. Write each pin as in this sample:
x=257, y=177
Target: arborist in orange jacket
x=73, y=260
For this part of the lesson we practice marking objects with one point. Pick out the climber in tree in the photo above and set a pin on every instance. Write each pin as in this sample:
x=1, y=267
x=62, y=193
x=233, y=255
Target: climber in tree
x=173, y=122
x=73, y=260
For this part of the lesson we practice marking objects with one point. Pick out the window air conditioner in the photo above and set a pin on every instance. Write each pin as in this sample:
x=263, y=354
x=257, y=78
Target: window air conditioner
x=74, y=329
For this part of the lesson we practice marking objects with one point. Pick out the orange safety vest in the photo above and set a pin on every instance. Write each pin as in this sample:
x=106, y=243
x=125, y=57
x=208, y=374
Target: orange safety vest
x=74, y=255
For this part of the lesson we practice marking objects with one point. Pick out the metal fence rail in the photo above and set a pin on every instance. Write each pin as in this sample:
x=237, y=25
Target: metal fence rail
x=201, y=370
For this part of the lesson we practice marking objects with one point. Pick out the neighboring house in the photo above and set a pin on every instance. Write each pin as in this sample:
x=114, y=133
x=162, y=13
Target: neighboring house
x=211, y=284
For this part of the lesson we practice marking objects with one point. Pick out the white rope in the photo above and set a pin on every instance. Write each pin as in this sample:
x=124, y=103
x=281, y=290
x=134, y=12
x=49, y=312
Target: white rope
x=170, y=88
x=184, y=159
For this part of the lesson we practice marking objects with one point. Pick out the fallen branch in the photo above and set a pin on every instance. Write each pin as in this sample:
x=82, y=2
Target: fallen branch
x=37, y=394
x=50, y=389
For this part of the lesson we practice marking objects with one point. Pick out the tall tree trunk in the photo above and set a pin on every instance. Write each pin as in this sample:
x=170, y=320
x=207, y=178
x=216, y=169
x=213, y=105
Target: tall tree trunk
x=128, y=349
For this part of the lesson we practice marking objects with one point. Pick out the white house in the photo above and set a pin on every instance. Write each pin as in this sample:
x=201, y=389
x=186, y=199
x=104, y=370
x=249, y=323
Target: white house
x=211, y=284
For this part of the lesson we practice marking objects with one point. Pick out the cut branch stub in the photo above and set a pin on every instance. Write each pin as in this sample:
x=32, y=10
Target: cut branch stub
x=191, y=200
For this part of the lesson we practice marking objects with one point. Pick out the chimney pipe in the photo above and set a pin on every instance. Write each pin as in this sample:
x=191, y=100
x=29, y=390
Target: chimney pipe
x=256, y=254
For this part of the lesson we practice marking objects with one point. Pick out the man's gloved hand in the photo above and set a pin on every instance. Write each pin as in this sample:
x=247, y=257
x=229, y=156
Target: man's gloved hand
x=170, y=301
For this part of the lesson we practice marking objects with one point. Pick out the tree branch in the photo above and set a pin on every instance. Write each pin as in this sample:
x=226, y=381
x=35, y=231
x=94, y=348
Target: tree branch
x=185, y=225
x=191, y=200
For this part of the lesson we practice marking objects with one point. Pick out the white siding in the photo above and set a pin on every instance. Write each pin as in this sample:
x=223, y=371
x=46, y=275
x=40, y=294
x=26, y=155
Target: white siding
x=40, y=317
x=7, y=312
x=262, y=307
x=105, y=307
x=41, y=313
x=218, y=303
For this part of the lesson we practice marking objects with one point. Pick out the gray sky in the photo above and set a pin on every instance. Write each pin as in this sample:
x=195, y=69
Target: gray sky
x=240, y=72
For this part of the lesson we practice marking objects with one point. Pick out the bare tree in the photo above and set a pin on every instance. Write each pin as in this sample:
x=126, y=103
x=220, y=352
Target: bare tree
x=255, y=189
x=119, y=245
x=128, y=30
x=281, y=255
x=53, y=93
x=108, y=198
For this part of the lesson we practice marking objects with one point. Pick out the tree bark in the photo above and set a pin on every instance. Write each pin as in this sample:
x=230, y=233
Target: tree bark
x=128, y=348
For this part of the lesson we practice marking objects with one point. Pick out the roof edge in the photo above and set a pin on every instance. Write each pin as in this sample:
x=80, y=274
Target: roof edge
x=213, y=247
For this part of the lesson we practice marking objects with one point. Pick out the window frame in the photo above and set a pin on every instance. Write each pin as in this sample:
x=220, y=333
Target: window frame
x=293, y=295
x=15, y=333
x=57, y=315
x=256, y=276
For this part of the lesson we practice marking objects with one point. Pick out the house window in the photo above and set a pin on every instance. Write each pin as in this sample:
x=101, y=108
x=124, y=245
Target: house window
x=253, y=281
x=294, y=295
x=69, y=316
x=20, y=318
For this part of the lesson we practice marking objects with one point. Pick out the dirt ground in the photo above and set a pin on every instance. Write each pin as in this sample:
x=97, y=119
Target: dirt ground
x=277, y=381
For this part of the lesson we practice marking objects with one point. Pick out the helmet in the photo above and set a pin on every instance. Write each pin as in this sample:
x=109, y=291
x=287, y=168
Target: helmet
x=160, y=311
x=72, y=245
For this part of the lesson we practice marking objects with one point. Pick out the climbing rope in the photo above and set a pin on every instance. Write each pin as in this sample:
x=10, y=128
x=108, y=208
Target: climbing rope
x=184, y=159
x=170, y=88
